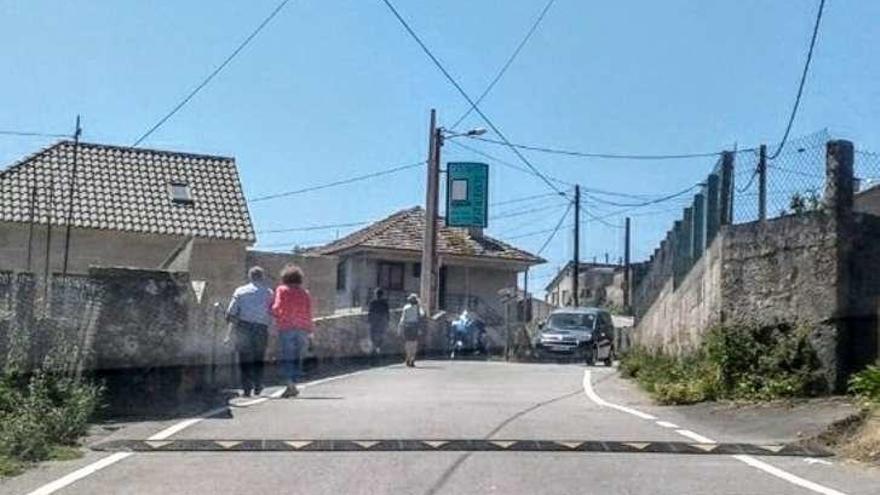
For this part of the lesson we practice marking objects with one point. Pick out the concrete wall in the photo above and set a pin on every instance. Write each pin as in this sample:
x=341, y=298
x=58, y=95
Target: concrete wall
x=219, y=263
x=677, y=320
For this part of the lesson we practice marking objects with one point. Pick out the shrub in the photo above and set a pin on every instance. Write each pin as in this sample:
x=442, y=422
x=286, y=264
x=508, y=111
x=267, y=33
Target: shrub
x=866, y=383
x=738, y=362
x=41, y=411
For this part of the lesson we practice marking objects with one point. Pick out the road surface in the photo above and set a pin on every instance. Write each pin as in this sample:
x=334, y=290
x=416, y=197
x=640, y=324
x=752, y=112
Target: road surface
x=450, y=428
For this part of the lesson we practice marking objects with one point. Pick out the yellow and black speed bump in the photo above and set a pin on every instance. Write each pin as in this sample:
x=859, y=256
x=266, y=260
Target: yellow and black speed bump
x=460, y=445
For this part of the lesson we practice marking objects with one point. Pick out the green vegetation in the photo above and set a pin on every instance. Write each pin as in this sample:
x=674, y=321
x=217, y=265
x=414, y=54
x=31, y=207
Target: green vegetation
x=41, y=414
x=734, y=362
x=866, y=384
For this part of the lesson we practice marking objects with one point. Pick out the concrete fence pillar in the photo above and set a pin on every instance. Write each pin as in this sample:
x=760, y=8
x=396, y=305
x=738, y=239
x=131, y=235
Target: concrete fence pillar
x=698, y=225
x=839, y=178
x=713, y=219
x=726, y=193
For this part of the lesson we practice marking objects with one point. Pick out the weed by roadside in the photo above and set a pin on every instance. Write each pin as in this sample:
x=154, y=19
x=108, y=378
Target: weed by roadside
x=734, y=362
x=866, y=384
x=40, y=414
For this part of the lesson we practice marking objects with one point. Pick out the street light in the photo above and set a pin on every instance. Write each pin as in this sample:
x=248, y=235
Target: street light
x=428, y=283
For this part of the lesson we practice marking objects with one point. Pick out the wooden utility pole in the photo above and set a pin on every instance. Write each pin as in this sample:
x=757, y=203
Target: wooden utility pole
x=627, y=276
x=427, y=284
x=762, y=182
x=31, y=222
x=576, y=261
x=70, y=194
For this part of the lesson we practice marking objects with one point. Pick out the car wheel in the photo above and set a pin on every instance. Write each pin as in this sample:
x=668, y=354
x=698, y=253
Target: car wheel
x=590, y=356
x=609, y=361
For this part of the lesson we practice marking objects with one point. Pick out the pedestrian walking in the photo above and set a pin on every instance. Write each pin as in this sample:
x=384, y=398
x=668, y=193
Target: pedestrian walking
x=377, y=316
x=292, y=309
x=248, y=317
x=410, y=326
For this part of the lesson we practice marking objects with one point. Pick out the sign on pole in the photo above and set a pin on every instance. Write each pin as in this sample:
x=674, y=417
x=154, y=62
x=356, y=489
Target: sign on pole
x=467, y=194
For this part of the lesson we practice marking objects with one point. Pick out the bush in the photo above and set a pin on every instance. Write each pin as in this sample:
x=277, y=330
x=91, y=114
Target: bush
x=41, y=411
x=866, y=383
x=738, y=362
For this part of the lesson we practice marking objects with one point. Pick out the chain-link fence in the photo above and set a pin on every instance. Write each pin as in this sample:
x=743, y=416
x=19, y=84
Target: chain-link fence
x=794, y=179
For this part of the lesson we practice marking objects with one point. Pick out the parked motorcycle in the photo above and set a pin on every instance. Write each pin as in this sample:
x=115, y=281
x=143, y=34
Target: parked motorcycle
x=467, y=335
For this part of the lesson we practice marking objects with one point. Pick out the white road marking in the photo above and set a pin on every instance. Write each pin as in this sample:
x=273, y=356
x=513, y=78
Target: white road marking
x=96, y=466
x=785, y=475
x=813, y=460
x=588, y=389
x=667, y=424
x=80, y=474
x=695, y=436
x=747, y=459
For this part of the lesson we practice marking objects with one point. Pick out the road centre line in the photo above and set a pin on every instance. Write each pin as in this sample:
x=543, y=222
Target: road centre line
x=104, y=462
x=747, y=459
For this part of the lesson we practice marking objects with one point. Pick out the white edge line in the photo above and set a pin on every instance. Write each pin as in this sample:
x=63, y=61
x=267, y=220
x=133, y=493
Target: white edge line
x=751, y=461
x=588, y=389
x=667, y=424
x=695, y=436
x=90, y=469
x=785, y=475
x=80, y=474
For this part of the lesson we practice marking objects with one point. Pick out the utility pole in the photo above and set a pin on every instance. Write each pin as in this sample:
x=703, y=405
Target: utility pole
x=627, y=277
x=31, y=221
x=576, y=262
x=427, y=283
x=762, y=182
x=70, y=194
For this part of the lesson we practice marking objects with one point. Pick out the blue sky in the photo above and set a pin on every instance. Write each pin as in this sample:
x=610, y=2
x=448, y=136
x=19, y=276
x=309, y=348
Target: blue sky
x=332, y=89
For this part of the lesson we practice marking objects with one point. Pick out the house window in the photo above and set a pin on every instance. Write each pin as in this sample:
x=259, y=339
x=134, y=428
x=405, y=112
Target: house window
x=341, y=274
x=180, y=192
x=390, y=276
x=417, y=270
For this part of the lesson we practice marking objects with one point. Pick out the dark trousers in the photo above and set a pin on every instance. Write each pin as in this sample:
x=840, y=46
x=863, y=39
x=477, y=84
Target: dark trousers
x=250, y=342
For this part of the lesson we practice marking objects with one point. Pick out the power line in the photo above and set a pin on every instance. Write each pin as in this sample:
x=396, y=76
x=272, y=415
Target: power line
x=800, y=91
x=214, y=72
x=610, y=156
x=599, y=219
x=336, y=183
x=646, y=203
x=517, y=213
x=508, y=63
x=522, y=199
x=468, y=98
x=312, y=228
x=555, y=230
x=33, y=134
x=511, y=166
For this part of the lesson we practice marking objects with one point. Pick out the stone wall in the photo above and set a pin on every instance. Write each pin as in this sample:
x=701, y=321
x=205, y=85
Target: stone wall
x=675, y=323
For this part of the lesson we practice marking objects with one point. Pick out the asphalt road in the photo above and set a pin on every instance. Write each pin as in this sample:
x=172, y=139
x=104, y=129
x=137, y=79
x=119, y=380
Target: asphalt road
x=444, y=402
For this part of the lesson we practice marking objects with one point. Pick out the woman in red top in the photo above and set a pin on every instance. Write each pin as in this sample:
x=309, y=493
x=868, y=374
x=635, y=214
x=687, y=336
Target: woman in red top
x=292, y=309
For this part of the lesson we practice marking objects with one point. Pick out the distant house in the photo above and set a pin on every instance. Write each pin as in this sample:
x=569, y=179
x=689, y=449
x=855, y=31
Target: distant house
x=132, y=207
x=600, y=284
x=387, y=255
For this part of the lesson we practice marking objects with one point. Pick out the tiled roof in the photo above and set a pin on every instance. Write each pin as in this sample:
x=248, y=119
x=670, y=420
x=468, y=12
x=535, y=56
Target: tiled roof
x=404, y=231
x=128, y=189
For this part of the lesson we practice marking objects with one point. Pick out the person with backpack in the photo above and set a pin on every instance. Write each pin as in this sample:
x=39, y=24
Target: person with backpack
x=411, y=319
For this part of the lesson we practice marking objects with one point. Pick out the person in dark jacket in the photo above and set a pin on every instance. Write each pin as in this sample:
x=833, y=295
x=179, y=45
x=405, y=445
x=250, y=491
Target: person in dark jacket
x=378, y=318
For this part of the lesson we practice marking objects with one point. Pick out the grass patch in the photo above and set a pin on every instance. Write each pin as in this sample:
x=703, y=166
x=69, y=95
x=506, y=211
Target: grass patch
x=64, y=453
x=42, y=415
x=10, y=466
x=734, y=362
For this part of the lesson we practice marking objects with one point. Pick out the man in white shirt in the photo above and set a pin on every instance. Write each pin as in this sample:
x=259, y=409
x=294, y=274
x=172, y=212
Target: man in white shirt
x=249, y=314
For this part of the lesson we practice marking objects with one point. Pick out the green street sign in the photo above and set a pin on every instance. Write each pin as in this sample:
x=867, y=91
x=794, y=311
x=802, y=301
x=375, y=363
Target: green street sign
x=467, y=194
